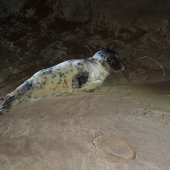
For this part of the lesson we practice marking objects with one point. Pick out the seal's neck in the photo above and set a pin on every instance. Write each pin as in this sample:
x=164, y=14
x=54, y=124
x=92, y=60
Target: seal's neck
x=103, y=64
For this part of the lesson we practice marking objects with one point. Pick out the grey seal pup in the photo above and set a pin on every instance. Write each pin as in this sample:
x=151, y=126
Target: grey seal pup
x=66, y=77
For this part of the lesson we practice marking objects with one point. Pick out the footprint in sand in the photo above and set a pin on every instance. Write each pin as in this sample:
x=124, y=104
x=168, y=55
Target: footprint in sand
x=110, y=147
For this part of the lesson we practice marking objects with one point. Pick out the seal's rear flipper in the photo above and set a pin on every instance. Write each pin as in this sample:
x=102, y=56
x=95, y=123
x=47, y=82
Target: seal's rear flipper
x=6, y=103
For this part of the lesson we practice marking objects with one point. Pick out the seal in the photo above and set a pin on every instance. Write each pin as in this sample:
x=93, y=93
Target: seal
x=65, y=78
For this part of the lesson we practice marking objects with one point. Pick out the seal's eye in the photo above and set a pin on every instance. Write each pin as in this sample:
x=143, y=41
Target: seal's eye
x=112, y=61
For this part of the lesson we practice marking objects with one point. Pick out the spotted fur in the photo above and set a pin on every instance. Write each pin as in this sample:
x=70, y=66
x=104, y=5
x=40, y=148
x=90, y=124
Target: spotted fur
x=67, y=77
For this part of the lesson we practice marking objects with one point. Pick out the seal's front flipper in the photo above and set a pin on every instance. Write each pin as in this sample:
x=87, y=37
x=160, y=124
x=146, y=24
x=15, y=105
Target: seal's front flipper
x=92, y=86
x=80, y=79
x=6, y=103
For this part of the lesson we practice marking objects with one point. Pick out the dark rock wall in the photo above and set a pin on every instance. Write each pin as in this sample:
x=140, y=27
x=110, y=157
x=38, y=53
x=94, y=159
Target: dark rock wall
x=103, y=13
x=36, y=33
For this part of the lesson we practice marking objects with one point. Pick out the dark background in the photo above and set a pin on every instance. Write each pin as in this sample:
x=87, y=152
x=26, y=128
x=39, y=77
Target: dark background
x=36, y=34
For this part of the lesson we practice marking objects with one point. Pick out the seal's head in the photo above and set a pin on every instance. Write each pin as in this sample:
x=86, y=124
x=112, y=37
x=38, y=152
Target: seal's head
x=109, y=58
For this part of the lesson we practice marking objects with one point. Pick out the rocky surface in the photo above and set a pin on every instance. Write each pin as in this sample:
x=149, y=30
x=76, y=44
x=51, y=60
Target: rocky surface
x=38, y=34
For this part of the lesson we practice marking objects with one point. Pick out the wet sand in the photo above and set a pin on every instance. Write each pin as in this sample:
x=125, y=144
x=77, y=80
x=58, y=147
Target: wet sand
x=117, y=127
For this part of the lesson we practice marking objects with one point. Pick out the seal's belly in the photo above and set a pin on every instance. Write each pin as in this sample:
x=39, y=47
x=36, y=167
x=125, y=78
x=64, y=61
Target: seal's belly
x=54, y=87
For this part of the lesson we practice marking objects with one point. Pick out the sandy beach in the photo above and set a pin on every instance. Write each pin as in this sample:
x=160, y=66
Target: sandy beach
x=116, y=127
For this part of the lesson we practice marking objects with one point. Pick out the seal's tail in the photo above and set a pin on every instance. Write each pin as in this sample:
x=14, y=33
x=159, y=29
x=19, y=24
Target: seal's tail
x=14, y=96
x=6, y=103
